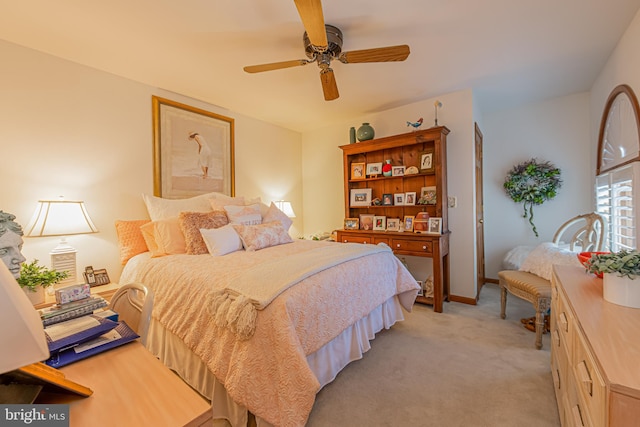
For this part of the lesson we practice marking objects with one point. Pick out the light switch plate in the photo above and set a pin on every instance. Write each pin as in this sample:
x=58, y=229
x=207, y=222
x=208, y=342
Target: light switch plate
x=453, y=202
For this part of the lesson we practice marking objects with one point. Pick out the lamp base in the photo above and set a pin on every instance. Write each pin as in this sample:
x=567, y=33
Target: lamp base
x=63, y=258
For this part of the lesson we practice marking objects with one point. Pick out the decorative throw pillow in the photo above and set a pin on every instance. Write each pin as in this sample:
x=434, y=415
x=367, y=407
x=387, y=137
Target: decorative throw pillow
x=275, y=214
x=256, y=237
x=542, y=258
x=164, y=237
x=192, y=222
x=130, y=239
x=247, y=215
x=160, y=208
x=221, y=241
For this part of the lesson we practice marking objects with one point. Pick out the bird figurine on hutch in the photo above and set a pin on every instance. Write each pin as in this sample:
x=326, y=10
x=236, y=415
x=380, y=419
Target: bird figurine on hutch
x=415, y=125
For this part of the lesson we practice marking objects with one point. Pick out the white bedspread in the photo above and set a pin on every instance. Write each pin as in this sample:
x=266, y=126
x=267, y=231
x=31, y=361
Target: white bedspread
x=269, y=373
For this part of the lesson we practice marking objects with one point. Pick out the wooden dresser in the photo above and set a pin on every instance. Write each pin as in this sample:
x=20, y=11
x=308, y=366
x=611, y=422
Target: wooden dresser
x=595, y=353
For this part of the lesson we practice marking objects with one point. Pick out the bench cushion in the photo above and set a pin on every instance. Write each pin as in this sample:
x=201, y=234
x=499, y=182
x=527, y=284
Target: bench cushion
x=525, y=282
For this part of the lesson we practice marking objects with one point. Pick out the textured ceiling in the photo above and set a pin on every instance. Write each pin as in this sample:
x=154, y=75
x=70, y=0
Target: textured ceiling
x=508, y=52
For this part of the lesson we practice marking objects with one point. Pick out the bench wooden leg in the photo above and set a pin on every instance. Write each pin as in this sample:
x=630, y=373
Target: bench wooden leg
x=503, y=302
x=539, y=328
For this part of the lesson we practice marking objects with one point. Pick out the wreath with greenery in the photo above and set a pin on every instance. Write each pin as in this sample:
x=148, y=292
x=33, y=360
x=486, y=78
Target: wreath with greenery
x=532, y=183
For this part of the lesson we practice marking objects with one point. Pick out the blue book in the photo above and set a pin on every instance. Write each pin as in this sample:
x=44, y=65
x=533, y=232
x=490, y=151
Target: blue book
x=121, y=334
x=70, y=333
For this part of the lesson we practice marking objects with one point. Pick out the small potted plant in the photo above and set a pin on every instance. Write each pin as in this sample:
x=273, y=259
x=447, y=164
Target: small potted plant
x=35, y=278
x=620, y=271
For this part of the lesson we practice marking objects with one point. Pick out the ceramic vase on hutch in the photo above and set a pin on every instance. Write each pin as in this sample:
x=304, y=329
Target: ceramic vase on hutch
x=386, y=168
x=365, y=132
x=621, y=290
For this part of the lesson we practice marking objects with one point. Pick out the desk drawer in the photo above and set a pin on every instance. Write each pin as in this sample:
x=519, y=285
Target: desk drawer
x=412, y=245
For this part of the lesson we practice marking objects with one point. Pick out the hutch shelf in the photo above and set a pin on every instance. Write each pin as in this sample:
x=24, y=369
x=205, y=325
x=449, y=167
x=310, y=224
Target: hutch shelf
x=403, y=150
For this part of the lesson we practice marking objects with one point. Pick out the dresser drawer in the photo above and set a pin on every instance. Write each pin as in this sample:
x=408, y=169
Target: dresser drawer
x=564, y=321
x=589, y=383
x=412, y=245
x=347, y=238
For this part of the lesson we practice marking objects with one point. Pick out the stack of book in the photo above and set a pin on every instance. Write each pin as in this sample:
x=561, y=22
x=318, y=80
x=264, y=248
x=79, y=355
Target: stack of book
x=60, y=312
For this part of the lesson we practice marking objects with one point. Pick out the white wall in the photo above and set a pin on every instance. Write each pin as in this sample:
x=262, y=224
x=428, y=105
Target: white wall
x=623, y=67
x=74, y=131
x=323, y=181
x=556, y=130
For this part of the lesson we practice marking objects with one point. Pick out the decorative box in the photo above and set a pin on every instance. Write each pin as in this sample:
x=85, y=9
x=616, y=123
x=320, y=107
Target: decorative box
x=421, y=223
x=72, y=293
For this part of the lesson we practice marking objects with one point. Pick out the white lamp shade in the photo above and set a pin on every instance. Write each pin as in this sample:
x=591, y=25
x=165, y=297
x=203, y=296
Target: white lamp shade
x=59, y=218
x=286, y=208
x=22, y=336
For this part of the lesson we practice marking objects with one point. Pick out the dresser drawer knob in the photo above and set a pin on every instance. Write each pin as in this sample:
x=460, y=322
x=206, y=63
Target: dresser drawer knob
x=424, y=248
x=397, y=245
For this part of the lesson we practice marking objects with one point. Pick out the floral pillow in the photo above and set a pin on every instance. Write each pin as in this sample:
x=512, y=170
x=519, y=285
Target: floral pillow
x=192, y=222
x=275, y=214
x=256, y=237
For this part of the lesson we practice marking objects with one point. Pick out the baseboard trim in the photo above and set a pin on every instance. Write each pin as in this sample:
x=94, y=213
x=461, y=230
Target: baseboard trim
x=489, y=280
x=463, y=300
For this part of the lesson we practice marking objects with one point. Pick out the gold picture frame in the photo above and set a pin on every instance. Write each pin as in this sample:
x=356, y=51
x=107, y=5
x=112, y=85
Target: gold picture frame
x=193, y=151
x=358, y=171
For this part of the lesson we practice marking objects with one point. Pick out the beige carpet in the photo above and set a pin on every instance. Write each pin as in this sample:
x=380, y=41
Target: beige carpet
x=463, y=367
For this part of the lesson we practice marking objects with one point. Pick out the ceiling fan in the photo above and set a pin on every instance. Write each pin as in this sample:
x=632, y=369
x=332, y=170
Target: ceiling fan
x=323, y=43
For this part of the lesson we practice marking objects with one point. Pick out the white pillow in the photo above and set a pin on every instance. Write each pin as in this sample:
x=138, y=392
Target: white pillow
x=542, y=258
x=160, y=208
x=275, y=214
x=221, y=241
x=246, y=215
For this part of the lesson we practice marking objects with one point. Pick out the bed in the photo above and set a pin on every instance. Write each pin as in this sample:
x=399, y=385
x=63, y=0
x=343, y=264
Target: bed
x=330, y=301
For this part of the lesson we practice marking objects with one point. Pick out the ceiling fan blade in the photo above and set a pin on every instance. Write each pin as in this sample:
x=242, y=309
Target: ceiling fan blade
x=380, y=54
x=310, y=12
x=329, y=86
x=275, y=66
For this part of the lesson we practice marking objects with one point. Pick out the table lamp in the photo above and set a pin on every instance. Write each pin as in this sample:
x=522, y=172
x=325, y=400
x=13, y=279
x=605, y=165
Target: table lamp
x=285, y=207
x=61, y=218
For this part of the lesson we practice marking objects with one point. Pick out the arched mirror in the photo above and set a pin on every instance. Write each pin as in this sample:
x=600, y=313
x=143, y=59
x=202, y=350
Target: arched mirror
x=619, y=139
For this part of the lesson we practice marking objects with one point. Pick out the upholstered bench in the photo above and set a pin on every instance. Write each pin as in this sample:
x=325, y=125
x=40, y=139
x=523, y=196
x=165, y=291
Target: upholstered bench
x=531, y=288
